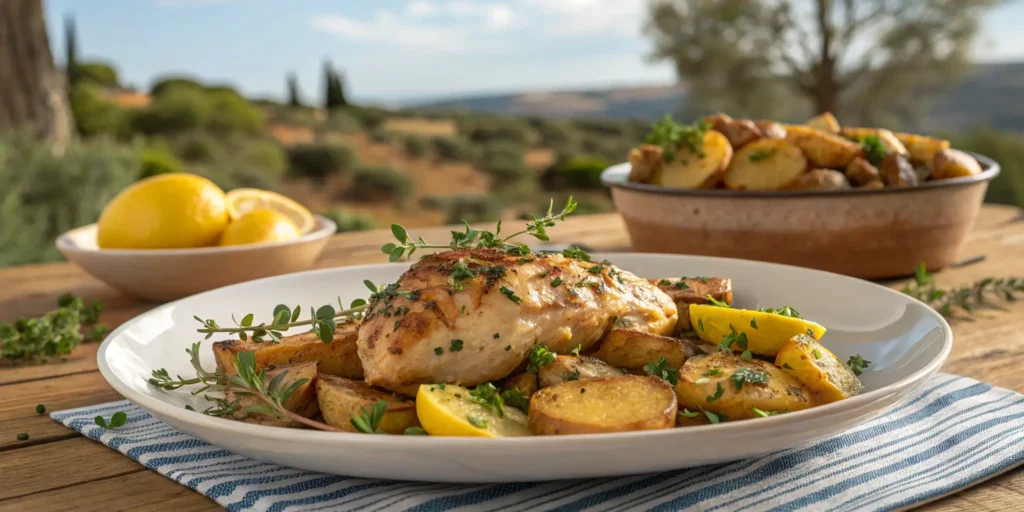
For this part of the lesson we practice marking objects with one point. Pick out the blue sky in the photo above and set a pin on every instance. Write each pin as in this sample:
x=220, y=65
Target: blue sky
x=395, y=49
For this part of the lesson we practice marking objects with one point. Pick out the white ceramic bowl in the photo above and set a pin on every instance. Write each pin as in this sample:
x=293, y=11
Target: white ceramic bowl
x=905, y=339
x=168, y=274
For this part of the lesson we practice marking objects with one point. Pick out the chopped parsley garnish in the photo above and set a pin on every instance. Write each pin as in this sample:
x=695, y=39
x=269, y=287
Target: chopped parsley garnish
x=764, y=414
x=787, y=366
x=496, y=335
x=817, y=353
x=476, y=422
x=539, y=356
x=712, y=372
x=415, y=431
x=714, y=418
x=576, y=351
x=716, y=302
x=40, y=408
x=753, y=323
x=575, y=375
x=700, y=324
x=686, y=413
x=368, y=422
x=664, y=282
x=671, y=135
x=506, y=291
x=455, y=346
x=661, y=370
x=747, y=375
x=508, y=348
x=783, y=311
x=718, y=393
x=460, y=272
x=487, y=395
x=515, y=398
x=857, y=364
x=556, y=282
x=682, y=285
x=874, y=150
x=746, y=355
x=441, y=386
x=438, y=350
x=763, y=154
x=576, y=253
x=739, y=339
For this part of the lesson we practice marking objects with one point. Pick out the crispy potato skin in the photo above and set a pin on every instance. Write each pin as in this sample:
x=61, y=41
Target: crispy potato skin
x=952, y=163
x=897, y=171
x=886, y=137
x=820, y=179
x=613, y=404
x=342, y=399
x=739, y=132
x=860, y=172
x=689, y=170
x=715, y=371
x=337, y=358
x=874, y=184
x=825, y=122
x=771, y=129
x=632, y=350
x=570, y=368
x=525, y=382
x=644, y=161
x=694, y=291
x=765, y=164
x=922, y=149
x=302, y=401
x=823, y=149
x=828, y=378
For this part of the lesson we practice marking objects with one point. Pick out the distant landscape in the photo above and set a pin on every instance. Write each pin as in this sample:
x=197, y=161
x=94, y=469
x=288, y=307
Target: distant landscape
x=991, y=95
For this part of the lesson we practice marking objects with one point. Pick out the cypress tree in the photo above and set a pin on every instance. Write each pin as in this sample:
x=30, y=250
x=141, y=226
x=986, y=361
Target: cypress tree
x=71, y=48
x=293, y=90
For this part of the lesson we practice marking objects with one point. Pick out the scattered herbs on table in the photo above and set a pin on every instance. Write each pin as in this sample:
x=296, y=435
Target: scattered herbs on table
x=948, y=301
x=23, y=436
x=40, y=409
x=53, y=334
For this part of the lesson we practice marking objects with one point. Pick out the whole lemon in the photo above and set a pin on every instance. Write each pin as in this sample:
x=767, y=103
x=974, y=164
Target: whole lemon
x=164, y=212
x=258, y=226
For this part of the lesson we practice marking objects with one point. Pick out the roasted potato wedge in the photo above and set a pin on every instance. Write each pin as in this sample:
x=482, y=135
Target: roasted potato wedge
x=612, y=404
x=825, y=122
x=952, y=163
x=687, y=169
x=874, y=184
x=896, y=171
x=342, y=399
x=765, y=164
x=820, y=179
x=694, y=290
x=644, y=161
x=771, y=129
x=336, y=358
x=821, y=148
x=525, y=382
x=632, y=350
x=922, y=149
x=739, y=132
x=569, y=368
x=727, y=385
x=765, y=333
x=860, y=172
x=828, y=378
x=302, y=401
x=887, y=138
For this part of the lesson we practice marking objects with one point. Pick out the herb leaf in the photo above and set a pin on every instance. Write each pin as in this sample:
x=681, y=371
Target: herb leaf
x=661, y=370
x=857, y=364
x=368, y=422
x=487, y=395
x=116, y=421
x=539, y=356
x=749, y=376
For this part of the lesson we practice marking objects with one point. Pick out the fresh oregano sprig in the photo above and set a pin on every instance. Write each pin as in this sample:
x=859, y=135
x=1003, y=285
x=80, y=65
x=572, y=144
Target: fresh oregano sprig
x=473, y=238
x=964, y=298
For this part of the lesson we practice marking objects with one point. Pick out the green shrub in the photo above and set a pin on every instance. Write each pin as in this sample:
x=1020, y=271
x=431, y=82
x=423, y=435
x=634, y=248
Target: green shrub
x=369, y=117
x=43, y=194
x=166, y=85
x=231, y=113
x=380, y=183
x=96, y=116
x=339, y=120
x=1007, y=149
x=554, y=134
x=578, y=172
x=198, y=147
x=293, y=116
x=493, y=129
x=503, y=160
x=157, y=160
x=100, y=73
x=348, y=221
x=175, y=110
x=602, y=127
x=470, y=208
x=415, y=146
x=612, y=148
x=455, y=149
x=266, y=154
x=317, y=160
x=381, y=135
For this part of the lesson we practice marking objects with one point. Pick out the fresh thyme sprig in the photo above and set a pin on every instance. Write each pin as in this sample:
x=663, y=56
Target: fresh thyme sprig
x=162, y=378
x=473, y=238
x=323, y=321
x=965, y=298
x=56, y=333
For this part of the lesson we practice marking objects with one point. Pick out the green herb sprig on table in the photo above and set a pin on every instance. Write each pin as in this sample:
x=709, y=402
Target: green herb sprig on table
x=53, y=334
x=965, y=298
x=478, y=239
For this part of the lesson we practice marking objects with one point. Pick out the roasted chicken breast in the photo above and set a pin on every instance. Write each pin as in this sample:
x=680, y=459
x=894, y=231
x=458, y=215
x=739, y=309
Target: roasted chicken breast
x=472, y=316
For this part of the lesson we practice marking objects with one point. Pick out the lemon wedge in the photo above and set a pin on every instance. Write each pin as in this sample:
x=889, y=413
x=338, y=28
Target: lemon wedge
x=446, y=410
x=766, y=332
x=243, y=200
x=259, y=226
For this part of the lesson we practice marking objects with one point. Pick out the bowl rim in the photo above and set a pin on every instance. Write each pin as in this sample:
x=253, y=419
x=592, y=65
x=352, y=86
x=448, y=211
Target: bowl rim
x=617, y=175
x=324, y=228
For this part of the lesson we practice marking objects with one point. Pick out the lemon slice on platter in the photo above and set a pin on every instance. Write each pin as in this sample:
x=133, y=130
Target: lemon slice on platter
x=766, y=332
x=446, y=410
x=243, y=200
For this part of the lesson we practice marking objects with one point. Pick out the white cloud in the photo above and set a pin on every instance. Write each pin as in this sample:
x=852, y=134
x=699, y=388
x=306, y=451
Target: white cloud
x=589, y=17
x=496, y=16
x=389, y=30
x=421, y=8
x=173, y=3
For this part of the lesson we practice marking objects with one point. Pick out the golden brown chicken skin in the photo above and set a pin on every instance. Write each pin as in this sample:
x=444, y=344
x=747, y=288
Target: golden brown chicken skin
x=472, y=316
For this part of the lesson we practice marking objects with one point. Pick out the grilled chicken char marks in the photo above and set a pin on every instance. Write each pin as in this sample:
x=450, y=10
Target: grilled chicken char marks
x=472, y=316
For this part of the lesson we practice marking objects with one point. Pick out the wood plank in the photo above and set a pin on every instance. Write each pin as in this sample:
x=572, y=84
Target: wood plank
x=55, y=465
x=19, y=400
x=81, y=360
x=1005, y=492
x=40, y=429
x=142, y=490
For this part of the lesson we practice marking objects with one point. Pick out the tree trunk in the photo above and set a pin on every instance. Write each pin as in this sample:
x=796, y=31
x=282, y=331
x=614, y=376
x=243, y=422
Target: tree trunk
x=33, y=93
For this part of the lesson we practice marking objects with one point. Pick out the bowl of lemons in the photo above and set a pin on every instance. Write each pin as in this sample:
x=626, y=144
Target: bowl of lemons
x=174, y=235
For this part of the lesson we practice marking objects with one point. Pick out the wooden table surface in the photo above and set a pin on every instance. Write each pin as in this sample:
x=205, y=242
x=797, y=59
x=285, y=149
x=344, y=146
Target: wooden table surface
x=57, y=469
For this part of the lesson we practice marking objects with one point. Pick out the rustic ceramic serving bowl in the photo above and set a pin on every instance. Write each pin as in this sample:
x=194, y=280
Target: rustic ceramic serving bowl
x=862, y=233
x=168, y=274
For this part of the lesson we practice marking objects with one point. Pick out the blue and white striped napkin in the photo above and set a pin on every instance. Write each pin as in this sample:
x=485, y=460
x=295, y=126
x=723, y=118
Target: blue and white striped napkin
x=954, y=433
